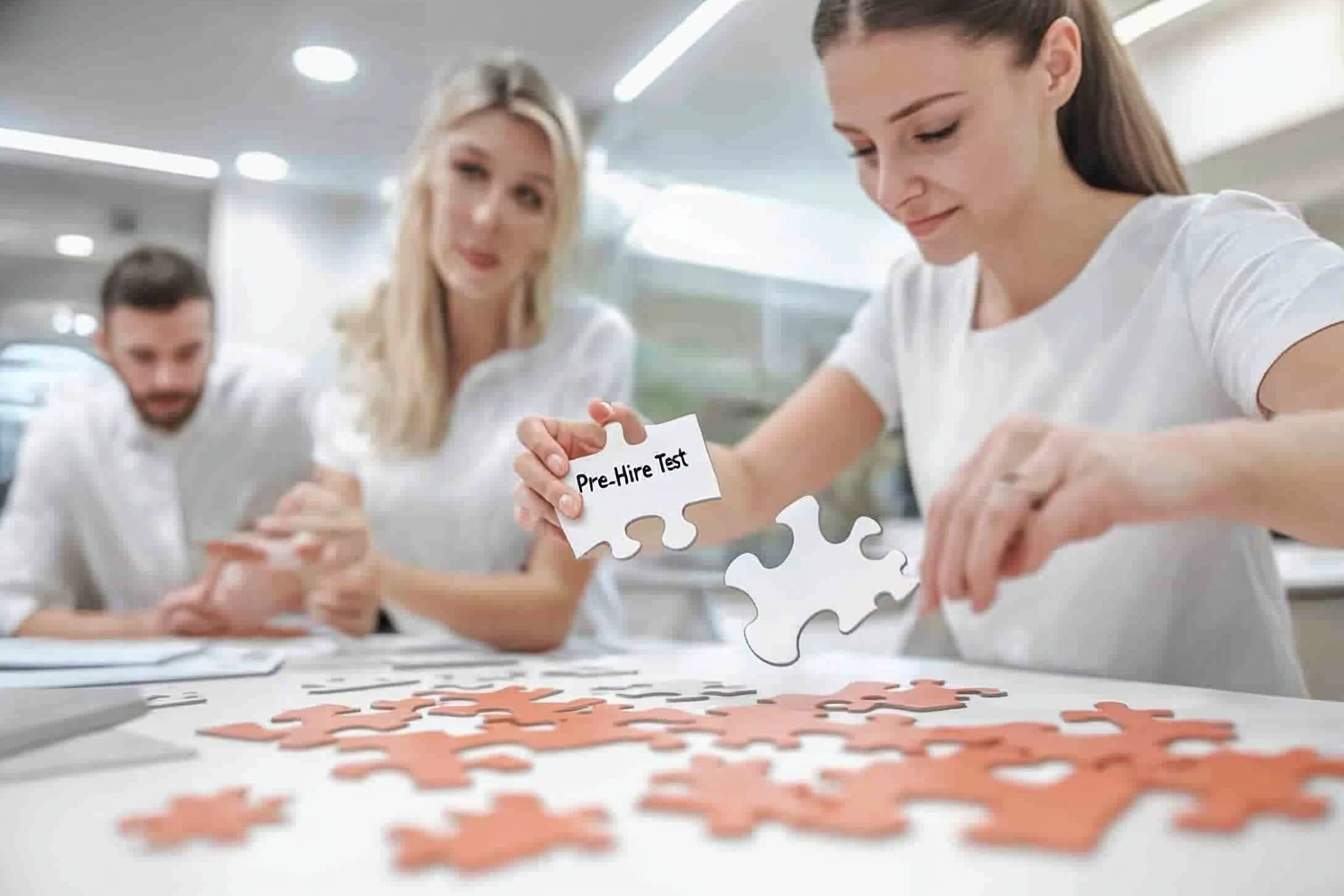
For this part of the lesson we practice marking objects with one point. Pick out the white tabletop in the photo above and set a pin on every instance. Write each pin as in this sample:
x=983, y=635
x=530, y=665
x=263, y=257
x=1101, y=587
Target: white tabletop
x=59, y=834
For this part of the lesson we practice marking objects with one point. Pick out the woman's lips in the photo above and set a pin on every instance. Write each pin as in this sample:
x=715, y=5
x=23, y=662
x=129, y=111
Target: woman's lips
x=481, y=261
x=926, y=226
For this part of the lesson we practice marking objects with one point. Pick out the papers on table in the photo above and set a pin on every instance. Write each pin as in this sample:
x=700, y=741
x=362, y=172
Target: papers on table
x=29, y=718
x=90, y=753
x=51, y=653
x=213, y=661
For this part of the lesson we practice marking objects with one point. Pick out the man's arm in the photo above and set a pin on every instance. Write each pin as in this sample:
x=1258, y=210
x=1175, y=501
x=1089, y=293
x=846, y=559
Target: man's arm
x=84, y=624
x=38, y=561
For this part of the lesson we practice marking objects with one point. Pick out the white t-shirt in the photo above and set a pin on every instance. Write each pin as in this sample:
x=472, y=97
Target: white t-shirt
x=452, y=510
x=107, y=513
x=1175, y=320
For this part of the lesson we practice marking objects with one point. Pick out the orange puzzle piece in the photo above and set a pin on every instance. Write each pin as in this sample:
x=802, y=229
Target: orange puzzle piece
x=734, y=797
x=430, y=758
x=602, y=723
x=517, y=827
x=1233, y=787
x=924, y=695
x=318, y=724
x=1068, y=815
x=1143, y=737
x=526, y=707
x=224, y=817
x=738, y=726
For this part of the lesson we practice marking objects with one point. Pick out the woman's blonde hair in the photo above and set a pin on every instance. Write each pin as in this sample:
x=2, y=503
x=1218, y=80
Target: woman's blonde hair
x=398, y=347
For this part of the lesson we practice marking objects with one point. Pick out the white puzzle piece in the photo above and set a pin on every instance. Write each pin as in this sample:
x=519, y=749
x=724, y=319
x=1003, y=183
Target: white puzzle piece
x=817, y=576
x=622, y=483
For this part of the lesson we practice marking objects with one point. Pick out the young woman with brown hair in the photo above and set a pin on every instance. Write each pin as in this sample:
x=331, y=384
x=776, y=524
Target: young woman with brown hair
x=1060, y=355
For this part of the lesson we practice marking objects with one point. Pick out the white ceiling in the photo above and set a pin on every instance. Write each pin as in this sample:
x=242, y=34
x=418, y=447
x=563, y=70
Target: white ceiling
x=213, y=77
x=745, y=109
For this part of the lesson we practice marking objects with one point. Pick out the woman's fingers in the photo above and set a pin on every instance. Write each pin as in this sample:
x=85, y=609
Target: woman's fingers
x=307, y=497
x=1074, y=513
x=539, y=435
x=951, y=572
x=615, y=412
x=342, y=522
x=936, y=527
x=957, y=517
x=351, y=612
x=1000, y=519
x=1013, y=498
x=546, y=486
x=531, y=509
x=236, y=551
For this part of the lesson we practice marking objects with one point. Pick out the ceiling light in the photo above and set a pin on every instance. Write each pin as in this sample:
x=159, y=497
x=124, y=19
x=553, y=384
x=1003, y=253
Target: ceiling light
x=63, y=320
x=1153, y=16
x=74, y=245
x=85, y=324
x=387, y=189
x=111, y=153
x=261, y=166
x=327, y=64
x=669, y=50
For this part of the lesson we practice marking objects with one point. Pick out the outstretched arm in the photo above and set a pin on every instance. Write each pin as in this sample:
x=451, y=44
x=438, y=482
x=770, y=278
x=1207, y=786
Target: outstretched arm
x=823, y=428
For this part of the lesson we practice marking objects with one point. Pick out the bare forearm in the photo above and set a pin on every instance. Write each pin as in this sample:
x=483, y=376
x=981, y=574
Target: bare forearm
x=742, y=509
x=83, y=624
x=1286, y=474
x=522, y=611
x=799, y=449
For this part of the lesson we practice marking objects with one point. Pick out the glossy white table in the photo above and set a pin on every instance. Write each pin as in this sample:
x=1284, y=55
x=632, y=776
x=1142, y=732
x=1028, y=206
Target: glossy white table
x=59, y=834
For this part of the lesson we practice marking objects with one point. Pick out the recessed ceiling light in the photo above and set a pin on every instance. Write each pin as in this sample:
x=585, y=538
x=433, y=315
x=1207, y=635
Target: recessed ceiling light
x=74, y=245
x=111, y=153
x=261, y=166
x=63, y=320
x=85, y=324
x=329, y=64
x=669, y=50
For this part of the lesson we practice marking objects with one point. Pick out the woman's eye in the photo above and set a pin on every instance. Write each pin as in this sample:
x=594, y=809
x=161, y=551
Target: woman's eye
x=935, y=136
x=862, y=152
x=471, y=170
x=530, y=199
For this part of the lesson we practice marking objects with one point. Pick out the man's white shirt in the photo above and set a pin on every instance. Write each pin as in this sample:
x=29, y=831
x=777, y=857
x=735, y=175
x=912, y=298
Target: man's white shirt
x=108, y=513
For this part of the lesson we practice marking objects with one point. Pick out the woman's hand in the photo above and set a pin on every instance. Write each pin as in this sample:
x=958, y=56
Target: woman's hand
x=326, y=534
x=550, y=445
x=1033, y=488
x=348, y=600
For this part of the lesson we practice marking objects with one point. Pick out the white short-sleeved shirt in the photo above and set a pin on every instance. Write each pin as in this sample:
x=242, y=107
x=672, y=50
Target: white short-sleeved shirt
x=1175, y=320
x=452, y=510
x=107, y=513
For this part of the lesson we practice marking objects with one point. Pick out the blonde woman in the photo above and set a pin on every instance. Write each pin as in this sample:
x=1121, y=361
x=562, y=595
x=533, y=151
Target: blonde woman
x=414, y=463
x=1079, y=346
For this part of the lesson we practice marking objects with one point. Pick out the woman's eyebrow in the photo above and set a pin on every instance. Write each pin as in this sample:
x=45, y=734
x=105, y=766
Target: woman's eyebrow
x=471, y=148
x=905, y=112
x=920, y=104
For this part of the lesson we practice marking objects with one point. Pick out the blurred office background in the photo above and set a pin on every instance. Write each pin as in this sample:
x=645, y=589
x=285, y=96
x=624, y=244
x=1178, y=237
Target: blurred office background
x=722, y=214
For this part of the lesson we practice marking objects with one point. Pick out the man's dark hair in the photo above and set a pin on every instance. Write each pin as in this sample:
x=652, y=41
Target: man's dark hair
x=153, y=278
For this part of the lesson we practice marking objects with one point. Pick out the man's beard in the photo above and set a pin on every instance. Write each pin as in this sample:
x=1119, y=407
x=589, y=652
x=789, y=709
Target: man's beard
x=169, y=422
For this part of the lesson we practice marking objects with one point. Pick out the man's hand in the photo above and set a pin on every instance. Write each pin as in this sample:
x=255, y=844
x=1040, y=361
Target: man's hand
x=188, y=611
